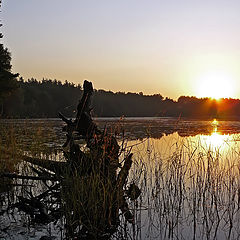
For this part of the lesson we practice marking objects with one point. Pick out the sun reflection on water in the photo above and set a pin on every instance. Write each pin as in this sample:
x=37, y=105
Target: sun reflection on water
x=216, y=140
x=214, y=123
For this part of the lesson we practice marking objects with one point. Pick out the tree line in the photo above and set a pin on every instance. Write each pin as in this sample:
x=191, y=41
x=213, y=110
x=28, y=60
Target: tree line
x=45, y=98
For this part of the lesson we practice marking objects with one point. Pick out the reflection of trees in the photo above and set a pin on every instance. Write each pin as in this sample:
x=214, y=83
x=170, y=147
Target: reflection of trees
x=193, y=133
x=158, y=128
x=125, y=129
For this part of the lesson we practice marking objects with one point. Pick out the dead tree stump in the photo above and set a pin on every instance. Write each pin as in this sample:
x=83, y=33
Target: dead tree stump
x=90, y=185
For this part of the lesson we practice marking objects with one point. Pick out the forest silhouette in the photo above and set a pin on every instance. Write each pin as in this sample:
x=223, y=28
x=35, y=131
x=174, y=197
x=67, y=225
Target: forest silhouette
x=44, y=99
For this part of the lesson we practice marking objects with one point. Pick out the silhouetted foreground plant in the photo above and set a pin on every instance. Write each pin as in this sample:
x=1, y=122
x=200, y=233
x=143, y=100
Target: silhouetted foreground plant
x=88, y=189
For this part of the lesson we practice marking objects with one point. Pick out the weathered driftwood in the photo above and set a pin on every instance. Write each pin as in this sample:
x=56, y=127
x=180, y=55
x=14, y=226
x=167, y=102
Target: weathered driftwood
x=56, y=167
x=83, y=124
x=101, y=146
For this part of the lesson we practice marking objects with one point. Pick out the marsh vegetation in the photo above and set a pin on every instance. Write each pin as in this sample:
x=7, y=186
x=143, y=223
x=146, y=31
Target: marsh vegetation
x=190, y=186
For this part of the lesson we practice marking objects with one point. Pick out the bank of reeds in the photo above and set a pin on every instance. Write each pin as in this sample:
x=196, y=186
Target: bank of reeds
x=193, y=193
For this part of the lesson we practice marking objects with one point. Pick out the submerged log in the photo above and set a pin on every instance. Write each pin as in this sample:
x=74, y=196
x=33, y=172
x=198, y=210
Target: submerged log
x=53, y=166
x=17, y=176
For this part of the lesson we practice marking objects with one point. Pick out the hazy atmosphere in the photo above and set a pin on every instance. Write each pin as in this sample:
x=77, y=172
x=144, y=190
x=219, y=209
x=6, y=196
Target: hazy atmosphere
x=119, y=120
x=167, y=47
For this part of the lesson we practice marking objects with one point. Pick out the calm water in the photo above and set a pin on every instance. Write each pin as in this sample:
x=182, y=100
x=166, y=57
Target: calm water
x=188, y=171
x=133, y=128
x=163, y=134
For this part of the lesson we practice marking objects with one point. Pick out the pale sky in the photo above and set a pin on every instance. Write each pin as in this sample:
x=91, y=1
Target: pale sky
x=171, y=47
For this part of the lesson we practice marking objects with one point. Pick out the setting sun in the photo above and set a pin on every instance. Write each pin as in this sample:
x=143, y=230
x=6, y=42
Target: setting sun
x=215, y=85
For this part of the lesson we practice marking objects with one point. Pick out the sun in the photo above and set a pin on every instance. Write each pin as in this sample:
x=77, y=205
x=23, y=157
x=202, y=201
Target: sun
x=215, y=85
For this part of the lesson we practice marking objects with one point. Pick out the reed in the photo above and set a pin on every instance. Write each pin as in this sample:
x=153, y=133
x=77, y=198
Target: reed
x=194, y=193
x=189, y=192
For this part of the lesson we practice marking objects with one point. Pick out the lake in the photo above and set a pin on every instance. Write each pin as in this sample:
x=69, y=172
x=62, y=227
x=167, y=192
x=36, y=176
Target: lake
x=188, y=172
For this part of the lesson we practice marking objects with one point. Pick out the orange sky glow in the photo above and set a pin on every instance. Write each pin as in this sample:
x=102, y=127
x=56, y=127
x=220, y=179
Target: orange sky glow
x=171, y=47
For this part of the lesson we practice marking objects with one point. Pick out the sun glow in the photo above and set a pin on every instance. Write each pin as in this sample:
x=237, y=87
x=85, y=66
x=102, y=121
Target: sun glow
x=215, y=85
x=216, y=141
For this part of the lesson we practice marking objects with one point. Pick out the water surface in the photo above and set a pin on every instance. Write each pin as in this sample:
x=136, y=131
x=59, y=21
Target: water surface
x=188, y=171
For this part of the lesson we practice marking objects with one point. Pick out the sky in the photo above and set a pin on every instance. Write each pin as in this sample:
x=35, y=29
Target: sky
x=169, y=47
